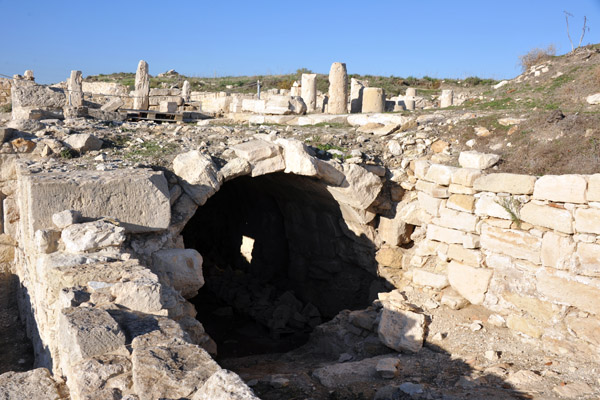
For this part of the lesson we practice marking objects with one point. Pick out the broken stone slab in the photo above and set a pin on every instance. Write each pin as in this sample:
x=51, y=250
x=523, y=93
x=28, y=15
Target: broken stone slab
x=137, y=198
x=143, y=294
x=298, y=159
x=387, y=367
x=101, y=377
x=400, y=329
x=234, y=169
x=35, y=384
x=476, y=160
x=358, y=189
x=224, y=385
x=85, y=332
x=199, y=175
x=91, y=236
x=46, y=240
x=431, y=279
x=568, y=289
x=179, y=268
x=181, y=369
x=256, y=150
x=472, y=283
x=83, y=142
x=113, y=104
x=342, y=374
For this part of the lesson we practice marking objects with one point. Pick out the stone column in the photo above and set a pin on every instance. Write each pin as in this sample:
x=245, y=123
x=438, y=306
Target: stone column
x=309, y=91
x=338, y=89
x=356, y=94
x=295, y=89
x=447, y=98
x=75, y=89
x=373, y=100
x=412, y=92
x=185, y=91
x=409, y=103
x=141, y=101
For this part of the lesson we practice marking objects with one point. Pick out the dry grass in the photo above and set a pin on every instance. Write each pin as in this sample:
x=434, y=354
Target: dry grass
x=536, y=56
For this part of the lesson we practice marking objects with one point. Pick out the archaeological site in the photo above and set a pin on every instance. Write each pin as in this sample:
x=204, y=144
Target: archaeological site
x=329, y=239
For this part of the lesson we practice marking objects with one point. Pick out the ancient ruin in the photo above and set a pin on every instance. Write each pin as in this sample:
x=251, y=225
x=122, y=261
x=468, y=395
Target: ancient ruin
x=168, y=243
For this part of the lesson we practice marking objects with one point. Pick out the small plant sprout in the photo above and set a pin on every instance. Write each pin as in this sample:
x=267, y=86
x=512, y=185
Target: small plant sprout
x=512, y=206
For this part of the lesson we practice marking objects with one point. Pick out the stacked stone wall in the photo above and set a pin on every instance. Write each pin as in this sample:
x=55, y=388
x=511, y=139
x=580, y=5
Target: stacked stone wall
x=525, y=247
x=4, y=91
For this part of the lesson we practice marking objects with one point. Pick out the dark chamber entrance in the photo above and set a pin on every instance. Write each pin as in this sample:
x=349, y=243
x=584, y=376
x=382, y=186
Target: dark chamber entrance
x=278, y=260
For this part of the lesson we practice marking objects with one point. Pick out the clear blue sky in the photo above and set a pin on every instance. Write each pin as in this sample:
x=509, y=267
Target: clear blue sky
x=453, y=39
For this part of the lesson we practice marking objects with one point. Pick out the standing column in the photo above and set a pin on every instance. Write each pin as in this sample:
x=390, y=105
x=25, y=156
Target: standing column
x=141, y=101
x=185, y=91
x=373, y=100
x=75, y=89
x=309, y=91
x=356, y=94
x=447, y=98
x=338, y=89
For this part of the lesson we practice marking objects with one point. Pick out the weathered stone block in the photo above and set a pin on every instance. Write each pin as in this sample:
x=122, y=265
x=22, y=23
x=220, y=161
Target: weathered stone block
x=421, y=168
x=390, y=257
x=440, y=174
x=401, y=330
x=445, y=235
x=461, y=202
x=505, y=183
x=476, y=160
x=199, y=174
x=566, y=290
x=138, y=199
x=35, y=384
x=358, y=189
x=465, y=256
x=465, y=176
x=588, y=255
x=587, y=220
x=179, y=268
x=92, y=236
x=456, y=220
x=225, y=385
x=472, y=283
x=593, y=189
x=562, y=188
x=429, y=203
x=557, y=251
x=431, y=279
x=548, y=217
x=298, y=160
x=514, y=243
x=433, y=189
x=489, y=205
x=524, y=325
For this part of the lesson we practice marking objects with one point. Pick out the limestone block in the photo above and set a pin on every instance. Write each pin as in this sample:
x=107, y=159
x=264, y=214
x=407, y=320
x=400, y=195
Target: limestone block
x=525, y=325
x=472, y=283
x=180, y=368
x=35, y=384
x=549, y=217
x=37, y=96
x=389, y=257
x=356, y=94
x=75, y=91
x=460, y=189
x=401, y=330
x=343, y=374
x=431, y=279
x=440, y=174
x=453, y=300
x=593, y=189
x=330, y=172
x=562, y=188
x=254, y=105
x=284, y=105
x=447, y=98
x=268, y=166
x=394, y=231
x=86, y=332
x=102, y=377
x=167, y=107
x=587, y=329
x=113, y=104
x=338, y=89
x=421, y=168
x=199, y=174
x=256, y=150
x=387, y=367
x=477, y=160
x=46, y=240
x=587, y=220
x=487, y=205
x=91, y=236
x=224, y=384
x=461, y=202
x=309, y=91
x=503, y=182
x=143, y=295
x=410, y=212
x=514, y=243
x=557, y=251
x=541, y=310
x=471, y=241
x=461, y=221
x=179, y=268
x=235, y=168
x=359, y=188
x=66, y=218
x=566, y=290
x=137, y=198
x=445, y=235
x=141, y=99
x=83, y=142
x=459, y=253
x=432, y=189
x=298, y=159
x=588, y=255
x=373, y=100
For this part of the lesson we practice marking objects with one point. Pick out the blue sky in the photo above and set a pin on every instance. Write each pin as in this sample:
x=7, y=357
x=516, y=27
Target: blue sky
x=453, y=39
